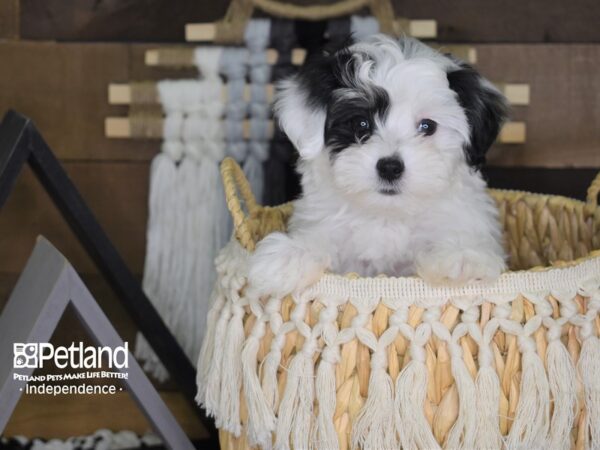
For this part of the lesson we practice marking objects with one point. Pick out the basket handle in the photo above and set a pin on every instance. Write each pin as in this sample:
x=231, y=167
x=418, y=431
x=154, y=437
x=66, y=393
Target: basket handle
x=238, y=192
x=592, y=194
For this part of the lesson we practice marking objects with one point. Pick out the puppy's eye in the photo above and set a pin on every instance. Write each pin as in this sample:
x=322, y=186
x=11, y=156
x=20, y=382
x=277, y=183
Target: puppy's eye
x=361, y=124
x=427, y=127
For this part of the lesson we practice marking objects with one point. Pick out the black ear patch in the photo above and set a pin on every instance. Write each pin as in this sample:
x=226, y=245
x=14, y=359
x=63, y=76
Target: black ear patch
x=325, y=72
x=486, y=111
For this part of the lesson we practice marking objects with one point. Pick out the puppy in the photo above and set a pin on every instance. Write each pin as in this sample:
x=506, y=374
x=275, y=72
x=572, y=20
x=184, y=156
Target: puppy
x=391, y=135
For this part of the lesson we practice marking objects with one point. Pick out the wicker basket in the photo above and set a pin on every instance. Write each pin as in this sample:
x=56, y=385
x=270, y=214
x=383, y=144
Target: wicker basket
x=390, y=363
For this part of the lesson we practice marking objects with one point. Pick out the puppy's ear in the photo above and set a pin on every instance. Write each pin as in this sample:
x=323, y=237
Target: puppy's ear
x=302, y=121
x=486, y=109
x=301, y=100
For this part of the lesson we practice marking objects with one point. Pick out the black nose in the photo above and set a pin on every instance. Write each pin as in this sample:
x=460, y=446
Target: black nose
x=390, y=169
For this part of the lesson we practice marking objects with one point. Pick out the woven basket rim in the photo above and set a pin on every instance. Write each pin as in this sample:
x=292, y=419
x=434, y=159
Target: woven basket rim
x=561, y=276
x=561, y=280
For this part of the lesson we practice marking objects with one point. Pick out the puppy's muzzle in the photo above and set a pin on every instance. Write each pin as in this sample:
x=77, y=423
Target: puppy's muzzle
x=390, y=169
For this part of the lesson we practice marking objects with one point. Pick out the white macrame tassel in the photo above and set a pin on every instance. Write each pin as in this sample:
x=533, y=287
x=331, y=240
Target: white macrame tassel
x=411, y=392
x=231, y=371
x=532, y=420
x=589, y=369
x=374, y=425
x=269, y=381
x=208, y=344
x=462, y=433
x=562, y=378
x=296, y=409
x=271, y=363
x=325, y=435
x=163, y=181
x=488, y=434
x=261, y=418
x=215, y=375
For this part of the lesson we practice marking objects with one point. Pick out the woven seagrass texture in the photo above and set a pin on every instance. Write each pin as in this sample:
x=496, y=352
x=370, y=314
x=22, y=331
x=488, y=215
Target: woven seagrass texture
x=540, y=230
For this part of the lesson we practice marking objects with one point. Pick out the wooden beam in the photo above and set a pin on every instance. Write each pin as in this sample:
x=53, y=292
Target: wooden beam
x=512, y=133
x=517, y=94
x=184, y=56
x=147, y=93
x=422, y=29
x=123, y=128
x=466, y=53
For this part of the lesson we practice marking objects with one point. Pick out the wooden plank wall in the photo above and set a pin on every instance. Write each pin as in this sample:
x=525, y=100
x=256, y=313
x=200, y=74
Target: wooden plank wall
x=58, y=57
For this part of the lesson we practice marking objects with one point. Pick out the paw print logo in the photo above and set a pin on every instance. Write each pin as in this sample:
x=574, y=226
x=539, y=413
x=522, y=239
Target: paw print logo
x=25, y=356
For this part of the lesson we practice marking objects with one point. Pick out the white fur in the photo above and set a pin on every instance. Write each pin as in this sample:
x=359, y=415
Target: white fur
x=442, y=225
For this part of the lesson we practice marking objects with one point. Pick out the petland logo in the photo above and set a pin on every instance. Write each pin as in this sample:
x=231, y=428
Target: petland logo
x=76, y=356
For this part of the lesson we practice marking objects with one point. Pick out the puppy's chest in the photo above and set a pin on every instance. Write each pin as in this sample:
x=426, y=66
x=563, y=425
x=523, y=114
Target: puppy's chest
x=372, y=248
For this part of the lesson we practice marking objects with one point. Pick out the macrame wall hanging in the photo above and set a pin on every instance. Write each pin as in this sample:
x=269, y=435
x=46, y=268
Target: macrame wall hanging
x=186, y=225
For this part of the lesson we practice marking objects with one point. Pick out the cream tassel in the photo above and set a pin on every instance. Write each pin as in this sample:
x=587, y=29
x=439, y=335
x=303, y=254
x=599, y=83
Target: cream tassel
x=411, y=391
x=325, y=436
x=269, y=378
x=208, y=344
x=271, y=363
x=531, y=425
x=296, y=408
x=589, y=369
x=562, y=377
x=374, y=426
x=488, y=434
x=487, y=387
x=261, y=418
x=231, y=371
x=462, y=433
x=215, y=375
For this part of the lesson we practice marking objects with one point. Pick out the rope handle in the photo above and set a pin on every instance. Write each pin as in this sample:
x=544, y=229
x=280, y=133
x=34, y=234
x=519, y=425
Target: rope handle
x=238, y=193
x=592, y=194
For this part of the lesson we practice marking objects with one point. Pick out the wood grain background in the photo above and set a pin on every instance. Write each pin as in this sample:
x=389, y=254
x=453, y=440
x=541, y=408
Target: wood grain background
x=58, y=57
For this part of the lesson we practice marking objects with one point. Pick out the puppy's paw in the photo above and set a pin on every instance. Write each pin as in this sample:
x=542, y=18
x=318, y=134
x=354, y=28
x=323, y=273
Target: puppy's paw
x=280, y=266
x=459, y=266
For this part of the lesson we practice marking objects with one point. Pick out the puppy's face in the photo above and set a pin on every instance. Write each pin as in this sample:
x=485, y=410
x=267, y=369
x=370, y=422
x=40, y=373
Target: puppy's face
x=388, y=123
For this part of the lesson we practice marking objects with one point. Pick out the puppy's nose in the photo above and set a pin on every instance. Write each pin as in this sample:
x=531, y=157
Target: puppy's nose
x=390, y=169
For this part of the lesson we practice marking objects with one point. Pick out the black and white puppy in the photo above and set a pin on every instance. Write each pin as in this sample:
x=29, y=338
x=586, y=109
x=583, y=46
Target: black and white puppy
x=391, y=135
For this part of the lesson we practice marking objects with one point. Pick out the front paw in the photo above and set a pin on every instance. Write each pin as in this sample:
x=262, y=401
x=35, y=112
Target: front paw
x=459, y=266
x=281, y=266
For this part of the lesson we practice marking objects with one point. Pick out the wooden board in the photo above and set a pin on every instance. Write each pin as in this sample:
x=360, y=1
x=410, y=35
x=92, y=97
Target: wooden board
x=9, y=19
x=62, y=87
x=74, y=415
x=564, y=103
x=115, y=192
x=536, y=21
x=114, y=20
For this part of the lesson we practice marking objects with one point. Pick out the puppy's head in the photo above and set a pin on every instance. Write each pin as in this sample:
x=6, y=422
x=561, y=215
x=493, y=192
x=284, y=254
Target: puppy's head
x=385, y=120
